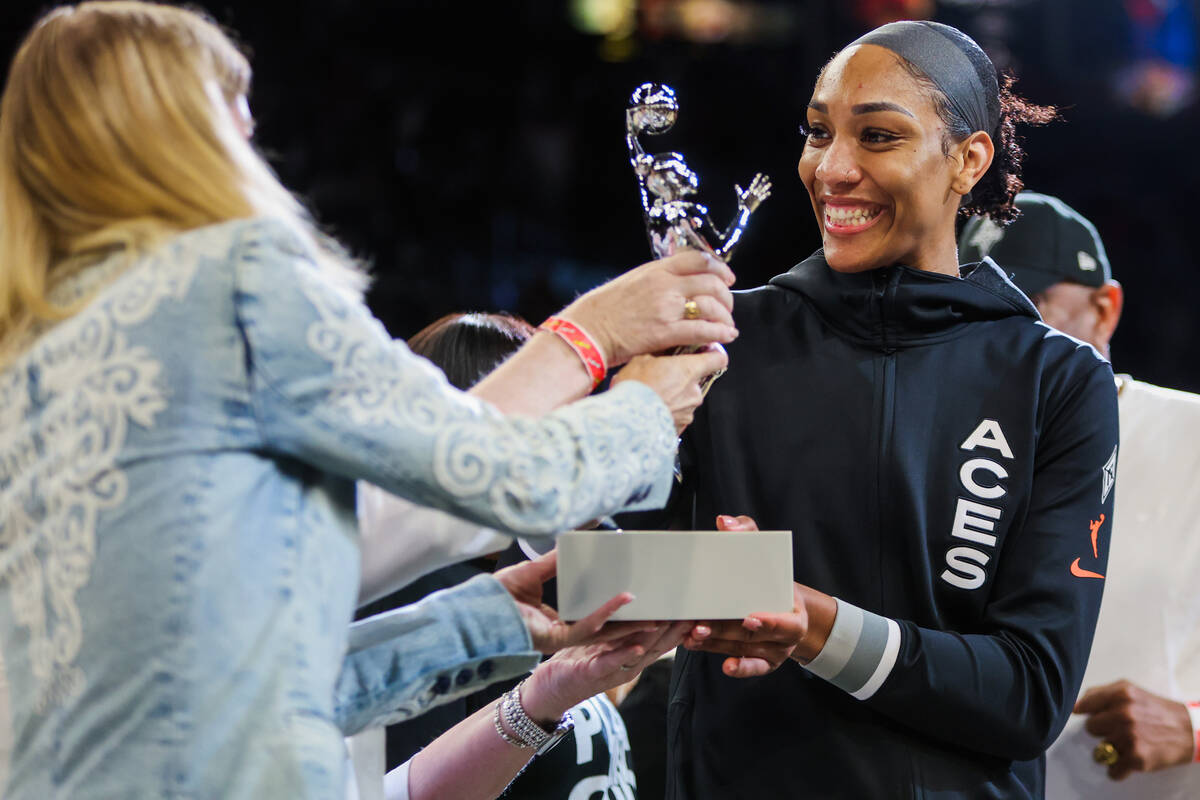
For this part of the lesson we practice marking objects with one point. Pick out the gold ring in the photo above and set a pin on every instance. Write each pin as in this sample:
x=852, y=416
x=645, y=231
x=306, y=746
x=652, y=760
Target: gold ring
x=1106, y=753
x=691, y=310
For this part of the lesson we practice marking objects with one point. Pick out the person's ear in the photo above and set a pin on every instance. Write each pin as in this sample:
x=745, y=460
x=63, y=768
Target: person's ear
x=972, y=158
x=1108, y=300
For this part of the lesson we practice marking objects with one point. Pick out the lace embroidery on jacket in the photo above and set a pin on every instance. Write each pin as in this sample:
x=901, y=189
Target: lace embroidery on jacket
x=65, y=410
x=522, y=471
x=372, y=388
x=371, y=391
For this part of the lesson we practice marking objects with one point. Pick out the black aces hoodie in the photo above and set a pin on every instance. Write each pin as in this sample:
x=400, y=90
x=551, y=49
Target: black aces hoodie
x=946, y=462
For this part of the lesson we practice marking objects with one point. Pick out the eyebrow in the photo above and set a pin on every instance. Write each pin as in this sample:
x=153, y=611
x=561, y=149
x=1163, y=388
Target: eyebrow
x=865, y=108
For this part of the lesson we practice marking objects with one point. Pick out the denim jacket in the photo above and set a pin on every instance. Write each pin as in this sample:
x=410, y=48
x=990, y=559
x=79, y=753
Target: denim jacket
x=178, y=549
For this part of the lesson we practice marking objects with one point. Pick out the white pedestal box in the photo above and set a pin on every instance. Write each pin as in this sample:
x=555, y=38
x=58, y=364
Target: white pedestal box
x=674, y=575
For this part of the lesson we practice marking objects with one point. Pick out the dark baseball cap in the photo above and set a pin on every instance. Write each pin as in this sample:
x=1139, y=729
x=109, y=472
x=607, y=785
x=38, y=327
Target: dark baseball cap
x=1049, y=243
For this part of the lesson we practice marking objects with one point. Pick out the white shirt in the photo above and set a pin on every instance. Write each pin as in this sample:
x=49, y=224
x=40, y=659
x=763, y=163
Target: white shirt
x=402, y=541
x=1149, y=626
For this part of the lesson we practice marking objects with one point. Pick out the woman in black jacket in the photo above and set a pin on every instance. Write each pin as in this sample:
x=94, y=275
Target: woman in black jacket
x=944, y=459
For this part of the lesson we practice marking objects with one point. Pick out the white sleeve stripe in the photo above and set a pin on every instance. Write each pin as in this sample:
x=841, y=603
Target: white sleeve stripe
x=842, y=641
x=871, y=645
x=860, y=653
x=890, y=653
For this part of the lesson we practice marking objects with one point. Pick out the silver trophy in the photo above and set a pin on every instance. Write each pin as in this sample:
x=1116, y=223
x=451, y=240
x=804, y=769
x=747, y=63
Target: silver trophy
x=673, y=221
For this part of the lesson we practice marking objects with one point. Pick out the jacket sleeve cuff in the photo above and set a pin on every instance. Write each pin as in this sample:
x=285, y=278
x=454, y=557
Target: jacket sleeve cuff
x=860, y=653
x=1194, y=712
x=456, y=641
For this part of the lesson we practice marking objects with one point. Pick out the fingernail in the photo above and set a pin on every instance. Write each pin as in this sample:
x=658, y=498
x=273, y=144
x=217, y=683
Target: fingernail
x=703, y=630
x=727, y=520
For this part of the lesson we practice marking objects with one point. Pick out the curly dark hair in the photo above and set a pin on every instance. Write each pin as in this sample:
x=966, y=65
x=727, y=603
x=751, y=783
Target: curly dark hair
x=993, y=194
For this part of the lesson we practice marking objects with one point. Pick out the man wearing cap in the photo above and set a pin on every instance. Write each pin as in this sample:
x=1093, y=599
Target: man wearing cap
x=1133, y=721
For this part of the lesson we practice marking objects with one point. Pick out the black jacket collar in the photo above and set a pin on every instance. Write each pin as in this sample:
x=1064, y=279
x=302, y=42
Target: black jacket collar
x=897, y=306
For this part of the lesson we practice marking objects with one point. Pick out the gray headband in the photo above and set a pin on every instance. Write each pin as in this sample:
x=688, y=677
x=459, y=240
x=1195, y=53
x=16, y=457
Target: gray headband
x=940, y=52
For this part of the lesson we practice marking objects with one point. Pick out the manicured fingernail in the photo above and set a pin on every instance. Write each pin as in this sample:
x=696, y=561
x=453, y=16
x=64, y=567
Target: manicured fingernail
x=702, y=630
x=727, y=520
x=751, y=623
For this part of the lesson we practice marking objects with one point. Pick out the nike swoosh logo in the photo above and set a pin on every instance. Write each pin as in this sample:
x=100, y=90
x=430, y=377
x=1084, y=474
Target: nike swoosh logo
x=1080, y=572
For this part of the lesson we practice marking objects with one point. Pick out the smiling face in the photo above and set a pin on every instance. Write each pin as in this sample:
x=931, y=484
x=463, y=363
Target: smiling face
x=883, y=188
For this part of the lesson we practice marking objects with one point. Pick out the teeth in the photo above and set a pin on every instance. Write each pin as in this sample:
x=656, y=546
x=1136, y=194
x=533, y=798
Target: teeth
x=844, y=215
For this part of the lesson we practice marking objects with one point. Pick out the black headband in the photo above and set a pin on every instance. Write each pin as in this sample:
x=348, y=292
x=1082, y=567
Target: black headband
x=945, y=55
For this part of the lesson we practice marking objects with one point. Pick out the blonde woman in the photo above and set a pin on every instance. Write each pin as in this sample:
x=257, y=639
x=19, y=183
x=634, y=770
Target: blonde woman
x=189, y=386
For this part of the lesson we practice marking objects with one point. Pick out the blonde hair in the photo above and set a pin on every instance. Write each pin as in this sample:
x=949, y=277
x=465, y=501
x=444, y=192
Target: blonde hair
x=116, y=132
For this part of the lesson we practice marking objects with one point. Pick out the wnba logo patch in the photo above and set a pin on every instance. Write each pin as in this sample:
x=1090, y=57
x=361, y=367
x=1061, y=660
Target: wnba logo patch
x=1108, y=475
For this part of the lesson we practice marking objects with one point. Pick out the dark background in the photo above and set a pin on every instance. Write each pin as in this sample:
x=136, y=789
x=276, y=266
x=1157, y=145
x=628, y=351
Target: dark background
x=474, y=153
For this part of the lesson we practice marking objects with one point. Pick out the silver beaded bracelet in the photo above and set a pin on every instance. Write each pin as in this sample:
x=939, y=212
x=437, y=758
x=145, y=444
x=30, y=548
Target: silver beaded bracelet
x=500, y=728
x=528, y=733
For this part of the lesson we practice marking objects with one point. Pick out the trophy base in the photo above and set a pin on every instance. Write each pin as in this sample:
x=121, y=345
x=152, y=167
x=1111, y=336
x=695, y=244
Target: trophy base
x=675, y=575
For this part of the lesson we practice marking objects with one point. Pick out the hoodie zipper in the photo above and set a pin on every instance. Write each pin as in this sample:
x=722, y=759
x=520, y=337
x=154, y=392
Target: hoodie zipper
x=886, y=282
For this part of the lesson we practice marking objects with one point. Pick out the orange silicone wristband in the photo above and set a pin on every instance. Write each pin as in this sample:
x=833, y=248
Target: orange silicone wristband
x=579, y=341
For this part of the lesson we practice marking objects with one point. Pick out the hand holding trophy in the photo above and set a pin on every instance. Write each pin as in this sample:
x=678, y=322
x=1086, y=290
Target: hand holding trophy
x=666, y=183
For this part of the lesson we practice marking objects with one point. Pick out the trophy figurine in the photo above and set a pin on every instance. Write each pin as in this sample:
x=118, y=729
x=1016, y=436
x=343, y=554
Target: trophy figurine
x=673, y=221
x=666, y=184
